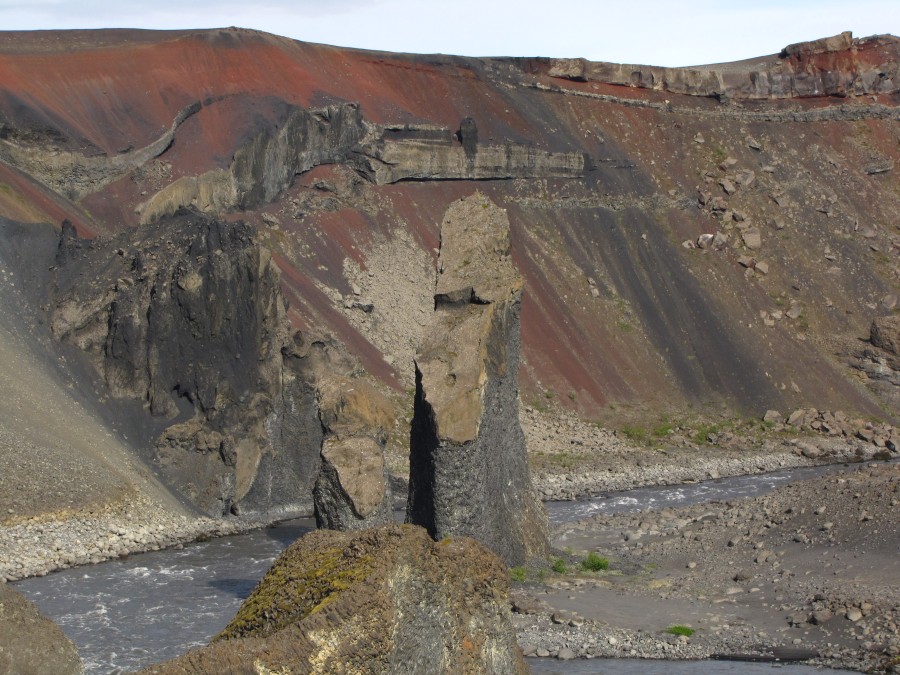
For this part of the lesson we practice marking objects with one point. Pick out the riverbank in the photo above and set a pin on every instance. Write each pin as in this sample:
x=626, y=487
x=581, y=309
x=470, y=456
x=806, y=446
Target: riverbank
x=605, y=462
x=573, y=459
x=809, y=569
x=39, y=545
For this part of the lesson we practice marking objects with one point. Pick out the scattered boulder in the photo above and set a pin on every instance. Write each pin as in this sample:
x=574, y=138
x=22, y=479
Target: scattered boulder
x=30, y=642
x=885, y=333
x=752, y=237
x=469, y=473
x=385, y=600
x=880, y=166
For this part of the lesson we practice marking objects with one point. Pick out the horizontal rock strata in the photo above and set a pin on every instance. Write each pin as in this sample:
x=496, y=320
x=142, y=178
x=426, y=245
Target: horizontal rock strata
x=836, y=66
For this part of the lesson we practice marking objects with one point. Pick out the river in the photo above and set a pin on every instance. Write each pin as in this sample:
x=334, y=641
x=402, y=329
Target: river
x=126, y=614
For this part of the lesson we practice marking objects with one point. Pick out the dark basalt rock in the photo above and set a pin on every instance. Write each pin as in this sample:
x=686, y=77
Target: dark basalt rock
x=187, y=316
x=468, y=467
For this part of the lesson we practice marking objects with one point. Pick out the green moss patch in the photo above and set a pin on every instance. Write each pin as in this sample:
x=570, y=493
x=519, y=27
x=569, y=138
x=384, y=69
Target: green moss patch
x=301, y=582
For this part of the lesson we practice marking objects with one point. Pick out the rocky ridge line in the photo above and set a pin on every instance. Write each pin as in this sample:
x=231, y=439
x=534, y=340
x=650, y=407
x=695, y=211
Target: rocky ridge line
x=834, y=66
x=75, y=175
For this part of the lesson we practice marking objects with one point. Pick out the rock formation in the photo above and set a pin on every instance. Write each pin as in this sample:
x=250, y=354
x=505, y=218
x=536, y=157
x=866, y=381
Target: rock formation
x=885, y=333
x=345, y=161
x=186, y=316
x=468, y=467
x=31, y=644
x=387, y=600
x=352, y=491
x=835, y=66
x=267, y=163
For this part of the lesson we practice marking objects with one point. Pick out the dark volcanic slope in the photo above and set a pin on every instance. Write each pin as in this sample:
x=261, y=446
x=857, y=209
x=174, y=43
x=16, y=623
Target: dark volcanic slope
x=599, y=166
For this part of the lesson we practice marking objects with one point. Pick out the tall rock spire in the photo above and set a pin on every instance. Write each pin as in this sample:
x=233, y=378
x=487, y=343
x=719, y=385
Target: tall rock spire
x=468, y=466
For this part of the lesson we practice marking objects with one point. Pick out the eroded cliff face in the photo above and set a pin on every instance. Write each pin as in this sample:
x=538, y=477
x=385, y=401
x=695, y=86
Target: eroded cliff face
x=710, y=239
x=835, y=66
x=353, y=489
x=386, y=600
x=187, y=317
x=266, y=165
x=468, y=462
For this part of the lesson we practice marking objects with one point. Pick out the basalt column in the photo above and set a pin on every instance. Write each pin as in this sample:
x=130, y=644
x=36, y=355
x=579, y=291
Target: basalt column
x=468, y=466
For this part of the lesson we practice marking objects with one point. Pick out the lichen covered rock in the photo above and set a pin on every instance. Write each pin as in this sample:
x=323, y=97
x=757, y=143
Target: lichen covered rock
x=468, y=467
x=386, y=600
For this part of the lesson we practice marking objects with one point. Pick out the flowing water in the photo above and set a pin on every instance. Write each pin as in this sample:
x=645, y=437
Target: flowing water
x=126, y=614
x=657, y=497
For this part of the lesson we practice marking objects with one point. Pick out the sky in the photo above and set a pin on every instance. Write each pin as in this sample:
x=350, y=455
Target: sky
x=655, y=32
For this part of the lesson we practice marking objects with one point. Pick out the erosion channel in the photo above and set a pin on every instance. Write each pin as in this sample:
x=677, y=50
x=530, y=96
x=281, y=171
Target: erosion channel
x=132, y=612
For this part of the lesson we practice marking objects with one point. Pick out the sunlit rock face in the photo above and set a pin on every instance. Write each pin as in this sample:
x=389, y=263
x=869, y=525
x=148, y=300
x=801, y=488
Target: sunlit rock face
x=468, y=467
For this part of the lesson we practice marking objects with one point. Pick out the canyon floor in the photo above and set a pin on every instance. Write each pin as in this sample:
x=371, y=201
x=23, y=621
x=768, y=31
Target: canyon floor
x=808, y=571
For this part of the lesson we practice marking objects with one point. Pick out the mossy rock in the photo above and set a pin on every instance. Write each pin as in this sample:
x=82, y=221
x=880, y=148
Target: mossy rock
x=385, y=600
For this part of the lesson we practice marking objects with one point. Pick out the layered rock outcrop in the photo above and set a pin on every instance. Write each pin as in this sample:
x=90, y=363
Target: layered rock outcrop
x=437, y=154
x=74, y=174
x=268, y=162
x=468, y=468
x=31, y=644
x=387, y=600
x=186, y=316
x=834, y=66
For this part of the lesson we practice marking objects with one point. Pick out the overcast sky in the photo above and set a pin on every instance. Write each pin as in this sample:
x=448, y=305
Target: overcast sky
x=657, y=32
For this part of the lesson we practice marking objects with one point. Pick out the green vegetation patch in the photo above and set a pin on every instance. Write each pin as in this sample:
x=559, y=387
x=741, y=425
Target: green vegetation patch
x=687, y=631
x=559, y=566
x=517, y=573
x=594, y=563
x=634, y=432
x=295, y=587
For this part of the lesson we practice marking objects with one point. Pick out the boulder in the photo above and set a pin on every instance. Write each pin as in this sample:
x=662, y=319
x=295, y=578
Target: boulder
x=30, y=643
x=752, y=237
x=885, y=333
x=469, y=473
x=352, y=491
x=385, y=600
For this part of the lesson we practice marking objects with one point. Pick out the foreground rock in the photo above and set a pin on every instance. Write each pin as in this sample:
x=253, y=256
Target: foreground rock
x=468, y=468
x=387, y=600
x=31, y=644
